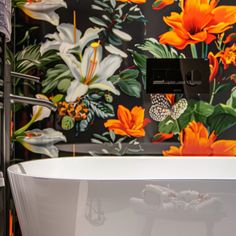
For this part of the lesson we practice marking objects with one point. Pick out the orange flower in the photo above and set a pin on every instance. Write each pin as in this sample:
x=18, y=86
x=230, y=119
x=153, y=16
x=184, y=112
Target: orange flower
x=159, y=4
x=214, y=66
x=198, y=22
x=133, y=1
x=160, y=137
x=196, y=141
x=228, y=56
x=230, y=38
x=171, y=98
x=129, y=123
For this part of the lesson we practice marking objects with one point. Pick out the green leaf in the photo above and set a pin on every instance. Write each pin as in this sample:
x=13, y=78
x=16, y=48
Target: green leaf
x=222, y=87
x=84, y=123
x=232, y=100
x=131, y=87
x=158, y=50
x=198, y=111
x=67, y=123
x=129, y=74
x=26, y=36
x=168, y=126
x=97, y=21
x=101, y=3
x=54, y=76
x=202, y=108
x=49, y=57
x=57, y=98
x=114, y=40
x=94, y=96
x=113, y=3
x=63, y=85
x=98, y=8
x=223, y=118
x=122, y=35
x=105, y=17
x=27, y=59
x=120, y=140
x=100, y=137
x=140, y=61
x=114, y=79
x=112, y=135
x=121, y=6
x=102, y=110
x=93, y=140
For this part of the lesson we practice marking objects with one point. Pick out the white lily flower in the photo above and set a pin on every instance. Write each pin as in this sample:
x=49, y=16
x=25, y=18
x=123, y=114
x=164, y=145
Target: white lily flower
x=40, y=112
x=92, y=72
x=43, y=10
x=42, y=141
x=63, y=40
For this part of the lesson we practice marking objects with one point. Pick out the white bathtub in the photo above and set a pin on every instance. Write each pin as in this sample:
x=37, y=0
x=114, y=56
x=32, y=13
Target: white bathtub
x=126, y=196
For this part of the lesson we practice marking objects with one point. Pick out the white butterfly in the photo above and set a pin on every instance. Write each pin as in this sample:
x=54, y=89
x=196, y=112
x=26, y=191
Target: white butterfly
x=161, y=108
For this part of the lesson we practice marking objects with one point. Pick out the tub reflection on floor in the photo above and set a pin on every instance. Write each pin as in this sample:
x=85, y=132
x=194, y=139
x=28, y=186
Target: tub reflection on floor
x=59, y=197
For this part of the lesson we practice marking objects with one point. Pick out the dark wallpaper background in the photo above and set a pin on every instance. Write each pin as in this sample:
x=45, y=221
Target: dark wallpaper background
x=155, y=27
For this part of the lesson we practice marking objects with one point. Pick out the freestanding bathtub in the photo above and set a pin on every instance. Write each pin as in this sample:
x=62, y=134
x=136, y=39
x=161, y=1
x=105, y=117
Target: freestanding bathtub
x=126, y=196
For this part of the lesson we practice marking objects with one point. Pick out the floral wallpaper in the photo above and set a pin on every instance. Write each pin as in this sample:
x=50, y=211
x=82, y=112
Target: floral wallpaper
x=92, y=66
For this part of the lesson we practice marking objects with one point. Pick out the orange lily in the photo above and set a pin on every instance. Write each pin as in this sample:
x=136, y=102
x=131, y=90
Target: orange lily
x=214, y=66
x=133, y=1
x=160, y=137
x=129, y=123
x=230, y=38
x=196, y=141
x=199, y=21
x=159, y=4
x=228, y=56
x=171, y=98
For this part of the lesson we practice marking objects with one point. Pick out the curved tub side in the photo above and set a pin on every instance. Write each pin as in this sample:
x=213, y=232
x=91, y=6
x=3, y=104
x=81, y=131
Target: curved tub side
x=42, y=204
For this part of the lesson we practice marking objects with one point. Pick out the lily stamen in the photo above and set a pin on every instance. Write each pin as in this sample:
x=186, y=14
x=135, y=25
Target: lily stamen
x=93, y=62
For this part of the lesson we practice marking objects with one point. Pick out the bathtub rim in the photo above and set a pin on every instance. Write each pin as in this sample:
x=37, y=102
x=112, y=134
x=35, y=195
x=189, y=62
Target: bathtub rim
x=206, y=159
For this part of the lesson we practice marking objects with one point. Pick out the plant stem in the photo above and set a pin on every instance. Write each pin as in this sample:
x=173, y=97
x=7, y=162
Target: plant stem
x=177, y=125
x=206, y=51
x=213, y=92
x=193, y=50
x=24, y=128
x=203, y=50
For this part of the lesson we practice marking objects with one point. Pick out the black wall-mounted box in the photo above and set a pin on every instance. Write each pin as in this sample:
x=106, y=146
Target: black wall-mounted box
x=178, y=76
